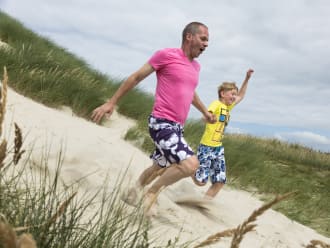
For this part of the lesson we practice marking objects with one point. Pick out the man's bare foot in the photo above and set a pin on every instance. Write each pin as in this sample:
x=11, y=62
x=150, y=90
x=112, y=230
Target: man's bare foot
x=149, y=204
x=132, y=196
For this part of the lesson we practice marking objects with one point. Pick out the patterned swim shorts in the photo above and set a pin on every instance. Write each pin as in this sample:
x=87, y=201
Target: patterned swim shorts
x=212, y=164
x=171, y=147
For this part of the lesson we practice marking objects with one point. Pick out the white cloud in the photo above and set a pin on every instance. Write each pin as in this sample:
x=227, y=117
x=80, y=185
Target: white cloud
x=305, y=138
x=237, y=130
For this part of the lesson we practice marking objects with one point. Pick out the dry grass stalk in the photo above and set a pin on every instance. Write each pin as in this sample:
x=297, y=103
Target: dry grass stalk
x=26, y=241
x=227, y=233
x=243, y=228
x=317, y=244
x=216, y=237
x=61, y=209
x=18, y=144
x=3, y=152
x=3, y=98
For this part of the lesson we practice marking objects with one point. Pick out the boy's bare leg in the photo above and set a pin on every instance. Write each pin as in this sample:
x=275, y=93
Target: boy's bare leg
x=213, y=190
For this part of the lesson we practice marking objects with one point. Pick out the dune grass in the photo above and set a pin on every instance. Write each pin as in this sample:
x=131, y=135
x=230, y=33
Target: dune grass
x=51, y=75
x=271, y=167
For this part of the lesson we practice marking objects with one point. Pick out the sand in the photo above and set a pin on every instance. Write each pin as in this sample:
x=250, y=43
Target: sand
x=98, y=153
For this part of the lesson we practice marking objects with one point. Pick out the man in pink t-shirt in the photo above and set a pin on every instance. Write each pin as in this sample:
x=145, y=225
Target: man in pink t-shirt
x=177, y=78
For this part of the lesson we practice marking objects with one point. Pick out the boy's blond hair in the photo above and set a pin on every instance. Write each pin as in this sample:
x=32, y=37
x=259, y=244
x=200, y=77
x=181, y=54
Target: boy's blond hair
x=226, y=86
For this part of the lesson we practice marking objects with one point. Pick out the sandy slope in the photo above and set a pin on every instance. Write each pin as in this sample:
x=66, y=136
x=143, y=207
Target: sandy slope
x=99, y=151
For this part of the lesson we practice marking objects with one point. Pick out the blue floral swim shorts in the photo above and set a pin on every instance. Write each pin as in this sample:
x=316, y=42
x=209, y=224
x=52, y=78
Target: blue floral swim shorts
x=171, y=147
x=212, y=164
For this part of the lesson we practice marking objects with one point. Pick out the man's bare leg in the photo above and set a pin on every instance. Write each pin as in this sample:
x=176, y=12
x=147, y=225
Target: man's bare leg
x=149, y=174
x=132, y=197
x=171, y=175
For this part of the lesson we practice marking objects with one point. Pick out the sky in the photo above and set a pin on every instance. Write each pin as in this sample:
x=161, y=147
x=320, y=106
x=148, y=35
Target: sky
x=287, y=43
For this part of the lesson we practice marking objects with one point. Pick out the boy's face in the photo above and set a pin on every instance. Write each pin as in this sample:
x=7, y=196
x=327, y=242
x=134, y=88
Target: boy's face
x=228, y=96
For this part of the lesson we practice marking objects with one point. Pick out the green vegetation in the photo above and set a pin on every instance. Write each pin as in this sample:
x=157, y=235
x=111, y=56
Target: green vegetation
x=51, y=75
x=271, y=167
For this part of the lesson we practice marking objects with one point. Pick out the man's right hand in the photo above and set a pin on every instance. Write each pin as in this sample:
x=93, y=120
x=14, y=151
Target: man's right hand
x=99, y=112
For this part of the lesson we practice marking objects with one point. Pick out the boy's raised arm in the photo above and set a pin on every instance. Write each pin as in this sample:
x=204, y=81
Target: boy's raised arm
x=242, y=90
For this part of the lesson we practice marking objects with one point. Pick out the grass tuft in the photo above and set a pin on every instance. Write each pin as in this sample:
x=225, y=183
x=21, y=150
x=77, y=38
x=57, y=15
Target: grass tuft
x=247, y=226
x=18, y=144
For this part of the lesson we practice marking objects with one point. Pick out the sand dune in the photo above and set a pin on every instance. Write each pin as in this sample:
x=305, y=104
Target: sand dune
x=97, y=152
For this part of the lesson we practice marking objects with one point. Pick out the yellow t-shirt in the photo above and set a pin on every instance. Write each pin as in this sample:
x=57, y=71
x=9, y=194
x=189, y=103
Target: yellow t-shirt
x=213, y=133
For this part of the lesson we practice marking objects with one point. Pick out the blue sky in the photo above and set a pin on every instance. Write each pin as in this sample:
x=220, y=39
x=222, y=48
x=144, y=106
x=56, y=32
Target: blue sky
x=287, y=43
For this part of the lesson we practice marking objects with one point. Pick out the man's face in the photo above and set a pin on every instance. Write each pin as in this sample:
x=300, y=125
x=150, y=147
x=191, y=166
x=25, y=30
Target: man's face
x=199, y=41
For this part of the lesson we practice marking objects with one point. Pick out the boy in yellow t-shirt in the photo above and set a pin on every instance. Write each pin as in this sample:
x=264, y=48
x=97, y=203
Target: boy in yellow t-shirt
x=210, y=150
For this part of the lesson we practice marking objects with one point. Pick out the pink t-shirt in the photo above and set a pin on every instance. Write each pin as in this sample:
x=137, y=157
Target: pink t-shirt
x=177, y=79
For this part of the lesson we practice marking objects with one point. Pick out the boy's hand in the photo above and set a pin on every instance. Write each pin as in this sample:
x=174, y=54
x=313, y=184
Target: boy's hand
x=249, y=73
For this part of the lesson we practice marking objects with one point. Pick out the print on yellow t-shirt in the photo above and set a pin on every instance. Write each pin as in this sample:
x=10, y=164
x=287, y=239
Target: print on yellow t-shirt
x=213, y=133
